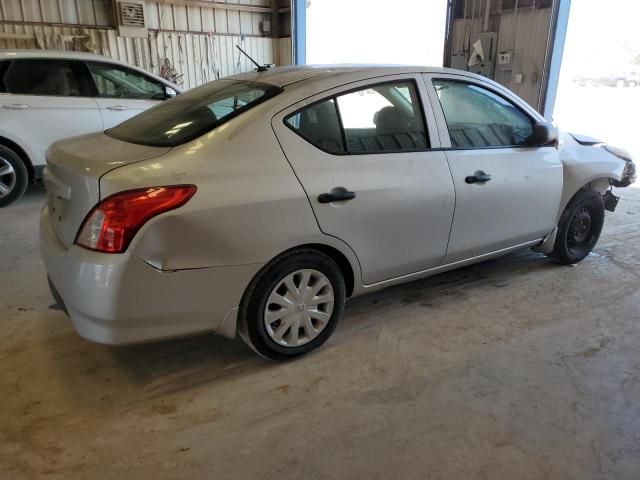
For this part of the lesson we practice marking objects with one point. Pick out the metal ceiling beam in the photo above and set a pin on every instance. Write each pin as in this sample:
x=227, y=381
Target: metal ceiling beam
x=220, y=5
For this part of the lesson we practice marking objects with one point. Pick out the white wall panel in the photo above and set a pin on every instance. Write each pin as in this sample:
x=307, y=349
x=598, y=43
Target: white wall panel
x=198, y=41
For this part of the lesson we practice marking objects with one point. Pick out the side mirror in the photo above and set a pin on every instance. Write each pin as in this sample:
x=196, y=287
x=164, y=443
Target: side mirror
x=169, y=92
x=544, y=134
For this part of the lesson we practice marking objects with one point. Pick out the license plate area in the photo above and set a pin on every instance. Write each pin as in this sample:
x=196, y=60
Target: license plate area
x=57, y=208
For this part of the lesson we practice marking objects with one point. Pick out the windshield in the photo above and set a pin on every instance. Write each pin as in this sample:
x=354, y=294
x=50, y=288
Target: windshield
x=193, y=113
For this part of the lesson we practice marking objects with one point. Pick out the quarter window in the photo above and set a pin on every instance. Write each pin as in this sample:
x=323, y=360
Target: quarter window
x=44, y=77
x=320, y=125
x=380, y=118
x=113, y=81
x=477, y=117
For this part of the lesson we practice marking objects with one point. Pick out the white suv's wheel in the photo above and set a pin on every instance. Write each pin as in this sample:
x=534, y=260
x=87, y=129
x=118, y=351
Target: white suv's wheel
x=14, y=177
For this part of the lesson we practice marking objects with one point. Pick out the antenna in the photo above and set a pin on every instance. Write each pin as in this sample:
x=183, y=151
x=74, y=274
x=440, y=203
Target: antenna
x=261, y=68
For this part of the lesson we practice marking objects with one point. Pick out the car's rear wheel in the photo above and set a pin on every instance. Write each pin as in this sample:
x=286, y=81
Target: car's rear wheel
x=293, y=305
x=579, y=227
x=14, y=177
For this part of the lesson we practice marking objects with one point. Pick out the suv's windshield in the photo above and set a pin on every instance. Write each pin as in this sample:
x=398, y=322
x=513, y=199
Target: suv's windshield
x=193, y=113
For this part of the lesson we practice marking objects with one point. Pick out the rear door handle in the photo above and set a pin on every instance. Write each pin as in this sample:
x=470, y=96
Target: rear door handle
x=336, y=196
x=478, y=177
x=116, y=107
x=15, y=106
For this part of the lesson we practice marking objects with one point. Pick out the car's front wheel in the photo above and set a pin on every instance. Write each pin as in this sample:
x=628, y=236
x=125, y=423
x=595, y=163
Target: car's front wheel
x=293, y=305
x=14, y=177
x=579, y=227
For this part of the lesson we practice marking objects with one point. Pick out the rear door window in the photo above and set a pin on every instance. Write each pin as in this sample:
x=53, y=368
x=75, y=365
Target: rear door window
x=379, y=118
x=383, y=118
x=193, y=113
x=59, y=78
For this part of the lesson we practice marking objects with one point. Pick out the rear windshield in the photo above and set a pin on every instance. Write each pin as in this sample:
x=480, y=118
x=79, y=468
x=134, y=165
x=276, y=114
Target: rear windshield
x=193, y=113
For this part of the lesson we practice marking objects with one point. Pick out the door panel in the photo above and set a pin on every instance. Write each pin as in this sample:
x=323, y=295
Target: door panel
x=517, y=205
x=399, y=221
x=519, y=199
x=42, y=120
x=116, y=110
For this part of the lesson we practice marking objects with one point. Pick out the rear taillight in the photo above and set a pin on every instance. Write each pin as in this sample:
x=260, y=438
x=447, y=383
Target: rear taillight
x=112, y=223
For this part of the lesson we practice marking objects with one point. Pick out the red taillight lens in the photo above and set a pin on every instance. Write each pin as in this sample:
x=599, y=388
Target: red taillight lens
x=112, y=223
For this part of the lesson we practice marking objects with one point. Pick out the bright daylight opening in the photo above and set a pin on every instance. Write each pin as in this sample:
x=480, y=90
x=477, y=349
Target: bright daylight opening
x=599, y=91
x=364, y=31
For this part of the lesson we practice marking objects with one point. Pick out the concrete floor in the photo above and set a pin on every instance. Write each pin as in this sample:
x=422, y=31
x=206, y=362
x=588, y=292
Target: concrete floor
x=516, y=368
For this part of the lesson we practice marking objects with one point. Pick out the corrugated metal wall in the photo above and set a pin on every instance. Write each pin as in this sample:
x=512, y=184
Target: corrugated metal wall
x=199, y=41
x=525, y=33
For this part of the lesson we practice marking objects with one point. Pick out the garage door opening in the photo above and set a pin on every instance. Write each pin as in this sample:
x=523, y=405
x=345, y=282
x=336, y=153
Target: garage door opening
x=361, y=31
x=599, y=88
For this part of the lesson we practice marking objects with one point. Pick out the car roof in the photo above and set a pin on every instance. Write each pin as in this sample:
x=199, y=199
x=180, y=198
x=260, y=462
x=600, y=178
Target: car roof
x=70, y=55
x=283, y=76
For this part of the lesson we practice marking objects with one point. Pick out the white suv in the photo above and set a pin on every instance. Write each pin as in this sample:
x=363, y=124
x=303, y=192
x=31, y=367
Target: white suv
x=46, y=96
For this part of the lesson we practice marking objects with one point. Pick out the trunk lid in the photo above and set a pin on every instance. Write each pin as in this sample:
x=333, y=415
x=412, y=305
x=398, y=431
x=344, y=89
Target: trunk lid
x=72, y=176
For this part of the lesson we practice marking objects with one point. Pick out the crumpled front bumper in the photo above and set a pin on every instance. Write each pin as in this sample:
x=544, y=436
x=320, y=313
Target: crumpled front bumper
x=628, y=175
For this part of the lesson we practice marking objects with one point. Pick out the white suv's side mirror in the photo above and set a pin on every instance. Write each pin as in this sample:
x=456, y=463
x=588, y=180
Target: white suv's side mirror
x=169, y=92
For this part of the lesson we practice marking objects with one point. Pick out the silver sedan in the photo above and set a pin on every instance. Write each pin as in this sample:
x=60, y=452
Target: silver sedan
x=259, y=203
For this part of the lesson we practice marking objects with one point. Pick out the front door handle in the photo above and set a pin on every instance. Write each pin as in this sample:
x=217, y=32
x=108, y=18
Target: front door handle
x=478, y=177
x=117, y=107
x=15, y=106
x=338, y=196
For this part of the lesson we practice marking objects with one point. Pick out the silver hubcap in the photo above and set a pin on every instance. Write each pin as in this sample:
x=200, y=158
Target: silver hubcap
x=7, y=178
x=299, y=308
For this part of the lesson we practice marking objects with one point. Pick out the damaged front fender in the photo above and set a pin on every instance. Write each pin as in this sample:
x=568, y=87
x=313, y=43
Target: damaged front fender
x=594, y=165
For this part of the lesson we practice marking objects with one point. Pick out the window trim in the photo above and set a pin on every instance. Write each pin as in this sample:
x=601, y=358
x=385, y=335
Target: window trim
x=76, y=67
x=335, y=96
x=126, y=69
x=471, y=81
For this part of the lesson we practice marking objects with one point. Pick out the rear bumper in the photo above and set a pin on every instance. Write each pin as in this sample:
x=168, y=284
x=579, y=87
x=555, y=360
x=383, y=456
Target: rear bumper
x=120, y=299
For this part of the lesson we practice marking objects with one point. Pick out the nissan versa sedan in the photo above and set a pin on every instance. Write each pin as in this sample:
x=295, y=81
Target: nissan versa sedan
x=258, y=203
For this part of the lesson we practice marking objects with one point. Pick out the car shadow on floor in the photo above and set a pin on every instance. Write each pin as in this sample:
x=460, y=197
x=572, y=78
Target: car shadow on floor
x=203, y=359
x=129, y=377
x=499, y=272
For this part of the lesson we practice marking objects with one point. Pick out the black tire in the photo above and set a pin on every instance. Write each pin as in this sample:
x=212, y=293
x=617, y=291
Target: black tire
x=17, y=181
x=251, y=324
x=579, y=227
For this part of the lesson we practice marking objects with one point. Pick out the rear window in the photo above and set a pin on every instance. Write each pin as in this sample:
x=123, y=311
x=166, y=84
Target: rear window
x=193, y=113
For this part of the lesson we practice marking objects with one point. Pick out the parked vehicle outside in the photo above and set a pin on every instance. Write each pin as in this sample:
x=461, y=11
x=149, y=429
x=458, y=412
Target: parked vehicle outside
x=259, y=203
x=629, y=78
x=46, y=96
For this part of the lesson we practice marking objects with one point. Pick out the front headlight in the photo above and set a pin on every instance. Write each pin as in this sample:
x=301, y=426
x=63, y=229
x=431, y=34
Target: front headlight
x=619, y=152
x=629, y=172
